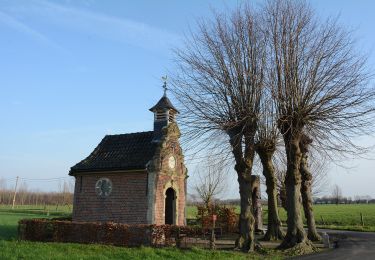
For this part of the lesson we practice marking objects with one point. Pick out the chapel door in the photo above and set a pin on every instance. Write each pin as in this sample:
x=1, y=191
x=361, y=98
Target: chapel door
x=170, y=200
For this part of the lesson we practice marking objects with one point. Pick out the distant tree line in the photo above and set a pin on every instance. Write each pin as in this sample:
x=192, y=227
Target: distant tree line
x=26, y=196
x=192, y=201
x=344, y=200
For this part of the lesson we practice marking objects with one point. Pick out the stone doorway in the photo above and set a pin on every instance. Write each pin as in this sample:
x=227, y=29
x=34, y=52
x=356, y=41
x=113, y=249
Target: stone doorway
x=170, y=206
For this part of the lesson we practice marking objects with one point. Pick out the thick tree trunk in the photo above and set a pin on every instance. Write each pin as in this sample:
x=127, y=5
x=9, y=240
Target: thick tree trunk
x=274, y=231
x=295, y=236
x=282, y=195
x=245, y=241
x=244, y=162
x=307, y=201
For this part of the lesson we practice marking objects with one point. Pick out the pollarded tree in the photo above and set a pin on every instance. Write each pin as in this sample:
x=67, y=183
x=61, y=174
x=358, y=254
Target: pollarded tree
x=318, y=82
x=219, y=85
x=266, y=144
x=306, y=188
x=318, y=167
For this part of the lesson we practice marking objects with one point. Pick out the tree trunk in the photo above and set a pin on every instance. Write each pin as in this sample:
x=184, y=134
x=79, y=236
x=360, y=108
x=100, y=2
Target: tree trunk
x=244, y=162
x=295, y=236
x=307, y=201
x=245, y=241
x=282, y=195
x=274, y=231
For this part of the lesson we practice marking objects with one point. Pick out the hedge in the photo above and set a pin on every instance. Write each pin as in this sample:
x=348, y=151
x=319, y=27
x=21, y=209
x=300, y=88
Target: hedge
x=227, y=219
x=47, y=230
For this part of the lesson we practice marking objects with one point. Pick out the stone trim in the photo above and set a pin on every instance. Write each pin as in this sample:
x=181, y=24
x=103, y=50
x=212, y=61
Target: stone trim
x=170, y=184
x=107, y=172
x=151, y=195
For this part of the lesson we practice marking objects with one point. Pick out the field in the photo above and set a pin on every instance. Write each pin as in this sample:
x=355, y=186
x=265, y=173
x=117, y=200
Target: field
x=330, y=216
x=342, y=216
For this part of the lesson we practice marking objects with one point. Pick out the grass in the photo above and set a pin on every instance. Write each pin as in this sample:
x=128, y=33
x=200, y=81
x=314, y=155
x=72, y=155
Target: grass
x=344, y=217
x=39, y=209
x=9, y=218
x=34, y=250
x=11, y=248
x=334, y=216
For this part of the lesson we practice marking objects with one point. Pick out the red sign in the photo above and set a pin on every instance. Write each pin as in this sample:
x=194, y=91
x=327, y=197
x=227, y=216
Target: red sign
x=214, y=217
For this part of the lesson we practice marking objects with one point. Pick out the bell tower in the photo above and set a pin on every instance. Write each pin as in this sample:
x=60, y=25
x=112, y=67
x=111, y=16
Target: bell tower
x=164, y=113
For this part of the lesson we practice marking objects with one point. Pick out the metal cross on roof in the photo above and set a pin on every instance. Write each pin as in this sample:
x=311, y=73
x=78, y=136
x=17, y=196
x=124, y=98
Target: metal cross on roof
x=165, y=78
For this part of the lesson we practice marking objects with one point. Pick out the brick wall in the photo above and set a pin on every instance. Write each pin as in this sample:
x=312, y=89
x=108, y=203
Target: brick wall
x=127, y=202
x=171, y=178
x=178, y=185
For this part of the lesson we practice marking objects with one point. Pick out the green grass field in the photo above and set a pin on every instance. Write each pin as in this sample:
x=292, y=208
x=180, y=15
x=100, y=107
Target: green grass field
x=329, y=216
x=11, y=248
x=334, y=216
x=9, y=218
x=33, y=250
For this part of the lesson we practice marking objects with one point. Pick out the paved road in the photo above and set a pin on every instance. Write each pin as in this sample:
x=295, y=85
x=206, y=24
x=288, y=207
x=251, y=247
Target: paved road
x=351, y=245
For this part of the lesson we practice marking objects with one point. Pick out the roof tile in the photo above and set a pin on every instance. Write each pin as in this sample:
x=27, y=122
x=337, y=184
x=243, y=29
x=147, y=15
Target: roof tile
x=119, y=152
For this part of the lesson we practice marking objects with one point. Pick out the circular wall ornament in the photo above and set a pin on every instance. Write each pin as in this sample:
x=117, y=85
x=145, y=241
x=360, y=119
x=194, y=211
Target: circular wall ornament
x=172, y=162
x=103, y=187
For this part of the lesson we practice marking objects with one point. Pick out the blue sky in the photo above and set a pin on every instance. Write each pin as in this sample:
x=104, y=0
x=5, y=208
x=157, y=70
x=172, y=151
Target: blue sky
x=74, y=71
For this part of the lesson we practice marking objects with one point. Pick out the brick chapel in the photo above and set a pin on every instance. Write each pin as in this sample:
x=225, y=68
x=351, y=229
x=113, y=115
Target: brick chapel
x=136, y=178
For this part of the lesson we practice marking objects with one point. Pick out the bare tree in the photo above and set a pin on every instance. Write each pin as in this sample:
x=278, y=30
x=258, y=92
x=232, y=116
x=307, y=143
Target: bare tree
x=22, y=192
x=318, y=165
x=266, y=144
x=3, y=187
x=211, y=181
x=318, y=168
x=319, y=83
x=306, y=186
x=219, y=86
x=3, y=184
x=313, y=169
x=336, y=194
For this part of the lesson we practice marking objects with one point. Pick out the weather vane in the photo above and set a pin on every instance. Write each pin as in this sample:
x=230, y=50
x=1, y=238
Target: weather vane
x=165, y=78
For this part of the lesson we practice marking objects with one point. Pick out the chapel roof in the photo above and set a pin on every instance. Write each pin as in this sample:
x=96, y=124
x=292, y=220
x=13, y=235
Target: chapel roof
x=163, y=103
x=119, y=152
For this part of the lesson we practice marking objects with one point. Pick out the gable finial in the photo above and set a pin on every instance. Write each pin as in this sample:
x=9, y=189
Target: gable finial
x=165, y=78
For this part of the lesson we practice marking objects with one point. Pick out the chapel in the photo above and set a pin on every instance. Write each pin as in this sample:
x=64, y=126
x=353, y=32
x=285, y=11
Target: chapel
x=135, y=178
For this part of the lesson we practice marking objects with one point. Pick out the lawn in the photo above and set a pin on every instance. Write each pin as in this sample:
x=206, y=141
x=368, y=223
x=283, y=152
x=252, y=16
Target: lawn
x=334, y=216
x=11, y=248
x=34, y=250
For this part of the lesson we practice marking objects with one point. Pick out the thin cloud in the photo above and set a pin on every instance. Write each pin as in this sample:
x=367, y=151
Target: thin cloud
x=25, y=29
x=103, y=26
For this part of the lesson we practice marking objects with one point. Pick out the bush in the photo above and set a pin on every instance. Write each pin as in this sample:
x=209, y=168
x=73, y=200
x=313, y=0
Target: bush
x=46, y=230
x=227, y=218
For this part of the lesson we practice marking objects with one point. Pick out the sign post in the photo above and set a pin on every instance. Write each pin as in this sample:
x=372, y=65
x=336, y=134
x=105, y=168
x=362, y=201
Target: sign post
x=212, y=240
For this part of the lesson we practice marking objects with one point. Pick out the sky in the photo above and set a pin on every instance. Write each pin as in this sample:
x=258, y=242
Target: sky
x=73, y=71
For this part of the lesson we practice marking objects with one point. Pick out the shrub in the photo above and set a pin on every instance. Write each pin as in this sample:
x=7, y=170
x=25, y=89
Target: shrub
x=227, y=218
x=45, y=230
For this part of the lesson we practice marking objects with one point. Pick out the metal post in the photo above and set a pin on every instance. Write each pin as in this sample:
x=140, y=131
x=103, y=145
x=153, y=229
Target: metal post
x=15, y=193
